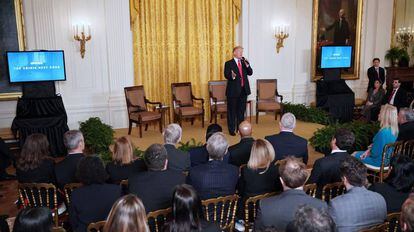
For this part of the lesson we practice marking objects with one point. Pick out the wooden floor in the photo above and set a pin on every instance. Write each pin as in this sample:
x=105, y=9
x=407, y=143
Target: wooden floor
x=267, y=126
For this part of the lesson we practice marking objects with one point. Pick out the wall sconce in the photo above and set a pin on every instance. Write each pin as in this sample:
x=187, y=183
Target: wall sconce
x=281, y=33
x=82, y=37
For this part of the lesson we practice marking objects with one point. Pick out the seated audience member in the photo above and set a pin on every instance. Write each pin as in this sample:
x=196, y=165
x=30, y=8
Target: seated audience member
x=407, y=215
x=387, y=134
x=155, y=186
x=123, y=162
x=177, y=160
x=374, y=100
x=398, y=184
x=326, y=169
x=397, y=96
x=286, y=143
x=240, y=152
x=187, y=214
x=93, y=201
x=260, y=175
x=406, y=122
x=33, y=164
x=34, y=220
x=199, y=155
x=280, y=210
x=358, y=208
x=5, y=159
x=66, y=169
x=215, y=178
x=127, y=215
x=309, y=219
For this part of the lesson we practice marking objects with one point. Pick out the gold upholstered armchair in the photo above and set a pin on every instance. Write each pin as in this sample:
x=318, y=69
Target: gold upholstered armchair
x=268, y=98
x=184, y=103
x=218, y=104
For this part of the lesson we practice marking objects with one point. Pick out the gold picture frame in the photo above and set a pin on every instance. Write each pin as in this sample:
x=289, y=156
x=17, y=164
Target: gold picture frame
x=355, y=38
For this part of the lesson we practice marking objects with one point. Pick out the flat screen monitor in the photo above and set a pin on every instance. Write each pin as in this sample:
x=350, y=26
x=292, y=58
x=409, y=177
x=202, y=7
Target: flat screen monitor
x=336, y=56
x=34, y=66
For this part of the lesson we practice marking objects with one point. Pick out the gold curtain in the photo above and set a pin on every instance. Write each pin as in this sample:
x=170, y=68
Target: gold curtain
x=179, y=41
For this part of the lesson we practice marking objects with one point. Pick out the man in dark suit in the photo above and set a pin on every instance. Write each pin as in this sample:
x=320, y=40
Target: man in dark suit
x=286, y=142
x=240, y=152
x=177, y=160
x=199, y=155
x=341, y=29
x=397, y=96
x=279, y=211
x=215, y=178
x=236, y=71
x=358, y=208
x=5, y=159
x=375, y=72
x=155, y=186
x=66, y=169
x=326, y=169
x=406, y=122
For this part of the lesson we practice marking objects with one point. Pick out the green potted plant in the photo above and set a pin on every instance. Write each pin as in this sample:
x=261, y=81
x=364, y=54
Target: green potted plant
x=404, y=60
x=98, y=137
x=188, y=145
x=393, y=55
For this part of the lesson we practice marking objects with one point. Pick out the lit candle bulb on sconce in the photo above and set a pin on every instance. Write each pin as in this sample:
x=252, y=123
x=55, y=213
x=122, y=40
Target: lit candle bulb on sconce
x=82, y=37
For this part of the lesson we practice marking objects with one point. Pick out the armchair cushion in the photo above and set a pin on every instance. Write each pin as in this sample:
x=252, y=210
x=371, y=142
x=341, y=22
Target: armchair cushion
x=189, y=110
x=268, y=105
x=221, y=108
x=145, y=116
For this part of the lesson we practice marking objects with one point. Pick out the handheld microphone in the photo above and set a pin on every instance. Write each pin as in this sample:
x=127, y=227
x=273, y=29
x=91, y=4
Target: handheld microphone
x=244, y=60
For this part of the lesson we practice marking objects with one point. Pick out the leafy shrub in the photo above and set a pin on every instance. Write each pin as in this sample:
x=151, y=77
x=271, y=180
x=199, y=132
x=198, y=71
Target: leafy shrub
x=189, y=144
x=307, y=114
x=98, y=136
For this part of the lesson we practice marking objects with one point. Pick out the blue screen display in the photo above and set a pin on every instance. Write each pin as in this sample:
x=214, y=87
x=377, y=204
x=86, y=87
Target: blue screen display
x=36, y=66
x=336, y=57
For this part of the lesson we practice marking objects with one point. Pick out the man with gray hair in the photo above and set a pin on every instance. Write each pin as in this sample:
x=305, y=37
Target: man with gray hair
x=65, y=170
x=286, y=143
x=177, y=160
x=406, y=121
x=215, y=178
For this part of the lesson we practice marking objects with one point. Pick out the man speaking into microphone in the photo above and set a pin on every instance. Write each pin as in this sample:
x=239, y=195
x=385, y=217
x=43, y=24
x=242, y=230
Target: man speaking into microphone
x=236, y=71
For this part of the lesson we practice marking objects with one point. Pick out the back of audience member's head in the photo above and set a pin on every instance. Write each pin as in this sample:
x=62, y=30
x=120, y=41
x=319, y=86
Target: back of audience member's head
x=33, y=220
x=388, y=118
x=74, y=141
x=127, y=215
x=402, y=173
x=155, y=157
x=211, y=129
x=405, y=115
x=267, y=229
x=354, y=171
x=407, y=214
x=293, y=173
x=172, y=134
x=123, y=152
x=309, y=219
x=245, y=129
x=261, y=155
x=91, y=170
x=287, y=122
x=34, y=151
x=217, y=146
x=343, y=139
x=187, y=211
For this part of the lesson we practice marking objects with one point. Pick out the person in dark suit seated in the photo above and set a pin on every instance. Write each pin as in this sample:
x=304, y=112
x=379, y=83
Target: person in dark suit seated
x=286, y=143
x=240, y=152
x=33, y=164
x=199, y=155
x=93, y=201
x=373, y=105
x=187, y=212
x=177, y=160
x=279, y=210
x=407, y=214
x=33, y=219
x=215, y=178
x=123, y=162
x=406, y=124
x=5, y=159
x=358, y=208
x=398, y=184
x=308, y=218
x=375, y=73
x=397, y=96
x=326, y=170
x=155, y=186
x=66, y=169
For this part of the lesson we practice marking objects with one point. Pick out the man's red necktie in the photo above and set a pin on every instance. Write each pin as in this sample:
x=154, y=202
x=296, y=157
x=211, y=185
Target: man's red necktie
x=392, y=94
x=241, y=72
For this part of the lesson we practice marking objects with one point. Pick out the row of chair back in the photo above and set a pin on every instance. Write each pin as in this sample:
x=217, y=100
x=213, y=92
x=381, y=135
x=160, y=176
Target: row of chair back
x=391, y=224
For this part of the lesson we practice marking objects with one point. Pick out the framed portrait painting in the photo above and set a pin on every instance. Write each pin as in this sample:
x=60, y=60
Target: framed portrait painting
x=336, y=23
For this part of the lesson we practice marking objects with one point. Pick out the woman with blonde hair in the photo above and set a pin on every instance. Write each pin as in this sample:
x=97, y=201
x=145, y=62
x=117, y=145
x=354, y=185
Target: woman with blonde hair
x=123, y=162
x=388, y=133
x=127, y=215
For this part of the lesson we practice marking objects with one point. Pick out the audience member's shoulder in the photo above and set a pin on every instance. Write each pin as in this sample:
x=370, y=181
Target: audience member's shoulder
x=270, y=137
x=49, y=162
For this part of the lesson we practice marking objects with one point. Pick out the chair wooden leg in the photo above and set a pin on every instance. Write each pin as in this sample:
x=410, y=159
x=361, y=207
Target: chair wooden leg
x=276, y=115
x=160, y=126
x=146, y=127
x=192, y=121
x=179, y=120
x=257, y=117
x=202, y=120
x=211, y=116
x=129, y=128
x=140, y=130
x=215, y=118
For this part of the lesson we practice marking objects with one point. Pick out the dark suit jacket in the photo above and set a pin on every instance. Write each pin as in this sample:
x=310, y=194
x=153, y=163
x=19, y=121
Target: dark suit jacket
x=214, y=179
x=155, y=188
x=406, y=131
x=287, y=143
x=254, y=182
x=279, y=210
x=5, y=157
x=240, y=152
x=234, y=88
x=393, y=198
x=92, y=203
x=177, y=159
x=66, y=169
x=45, y=173
x=198, y=155
x=341, y=32
x=400, y=99
x=373, y=76
x=118, y=172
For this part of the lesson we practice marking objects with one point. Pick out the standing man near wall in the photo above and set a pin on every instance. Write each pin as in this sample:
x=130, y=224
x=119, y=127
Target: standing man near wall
x=236, y=71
